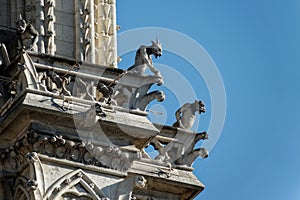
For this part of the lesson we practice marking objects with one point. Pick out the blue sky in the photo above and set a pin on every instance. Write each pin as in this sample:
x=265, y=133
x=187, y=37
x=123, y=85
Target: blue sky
x=256, y=46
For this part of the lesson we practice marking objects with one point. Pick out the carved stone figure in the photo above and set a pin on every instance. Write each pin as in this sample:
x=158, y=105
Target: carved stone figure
x=185, y=115
x=140, y=182
x=104, y=93
x=191, y=154
x=27, y=35
x=143, y=59
x=60, y=84
x=140, y=99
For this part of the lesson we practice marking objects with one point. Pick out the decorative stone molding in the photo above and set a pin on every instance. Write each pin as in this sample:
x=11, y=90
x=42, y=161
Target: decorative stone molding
x=59, y=147
x=85, y=31
x=75, y=185
x=49, y=22
x=105, y=29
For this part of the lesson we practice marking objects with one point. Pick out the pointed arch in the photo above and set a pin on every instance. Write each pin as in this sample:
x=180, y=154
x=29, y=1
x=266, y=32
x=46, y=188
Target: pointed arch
x=75, y=183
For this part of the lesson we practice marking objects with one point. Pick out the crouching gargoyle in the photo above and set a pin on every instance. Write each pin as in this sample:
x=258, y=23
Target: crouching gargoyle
x=185, y=115
x=27, y=35
x=143, y=59
x=191, y=154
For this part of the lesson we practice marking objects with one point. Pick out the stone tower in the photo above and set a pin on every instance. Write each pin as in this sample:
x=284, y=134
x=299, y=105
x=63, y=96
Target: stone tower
x=73, y=125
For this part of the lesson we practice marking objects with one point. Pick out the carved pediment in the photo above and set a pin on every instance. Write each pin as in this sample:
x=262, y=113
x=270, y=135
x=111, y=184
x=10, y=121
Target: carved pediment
x=75, y=184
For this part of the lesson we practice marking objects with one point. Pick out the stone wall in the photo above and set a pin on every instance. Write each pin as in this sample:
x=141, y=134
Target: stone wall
x=65, y=28
x=84, y=30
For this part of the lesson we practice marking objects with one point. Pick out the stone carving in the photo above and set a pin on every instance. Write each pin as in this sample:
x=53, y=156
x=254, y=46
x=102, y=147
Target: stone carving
x=104, y=93
x=57, y=146
x=176, y=152
x=185, y=115
x=22, y=191
x=105, y=32
x=100, y=92
x=140, y=182
x=141, y=98
x=162, y=152
x=143, y=59
x=191, y=154
x=50, y=81
x=84, y=89
x=138, y=98
x=86, y=31
x=60, y=83
x=27, y=35
x=49, y=21
x=75, y=185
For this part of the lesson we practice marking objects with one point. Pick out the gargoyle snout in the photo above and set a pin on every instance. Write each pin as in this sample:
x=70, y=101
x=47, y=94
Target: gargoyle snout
x=157, y=54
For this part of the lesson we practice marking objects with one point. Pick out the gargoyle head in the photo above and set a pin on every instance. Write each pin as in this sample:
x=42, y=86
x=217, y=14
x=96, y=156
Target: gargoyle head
x=201, y=107
x=156, y=48
x=21, y=25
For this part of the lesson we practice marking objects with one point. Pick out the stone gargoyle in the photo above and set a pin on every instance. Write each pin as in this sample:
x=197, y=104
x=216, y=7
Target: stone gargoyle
x=185, y=115
x=143, y=59
x=27, y=35
x=190, y=154
x=141, y=98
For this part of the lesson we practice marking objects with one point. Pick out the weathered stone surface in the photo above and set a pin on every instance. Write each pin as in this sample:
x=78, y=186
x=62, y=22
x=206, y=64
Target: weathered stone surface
x=73, y=129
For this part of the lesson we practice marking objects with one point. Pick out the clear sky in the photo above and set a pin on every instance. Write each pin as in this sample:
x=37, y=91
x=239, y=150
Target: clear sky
x=256, y=47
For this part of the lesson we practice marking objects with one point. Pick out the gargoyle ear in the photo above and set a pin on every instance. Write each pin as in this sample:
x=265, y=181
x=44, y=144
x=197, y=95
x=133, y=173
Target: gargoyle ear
x=20, y=18
x=153, y=42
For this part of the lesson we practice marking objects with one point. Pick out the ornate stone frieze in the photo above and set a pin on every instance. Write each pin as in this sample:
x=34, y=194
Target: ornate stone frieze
x=59, y=147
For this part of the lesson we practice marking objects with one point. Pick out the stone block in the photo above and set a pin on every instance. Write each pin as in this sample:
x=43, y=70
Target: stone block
x=58, y=31
x=68, y=6
x=64, y=18
x=59, y=6
x=68, y=34
x=65, y=48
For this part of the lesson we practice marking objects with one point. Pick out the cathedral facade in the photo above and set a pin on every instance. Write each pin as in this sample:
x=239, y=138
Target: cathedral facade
x=73, y=125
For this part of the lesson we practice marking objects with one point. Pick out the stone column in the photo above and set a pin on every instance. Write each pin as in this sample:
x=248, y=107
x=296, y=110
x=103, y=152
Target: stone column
x=50, y=19
x=85, y=31
x=105, y=23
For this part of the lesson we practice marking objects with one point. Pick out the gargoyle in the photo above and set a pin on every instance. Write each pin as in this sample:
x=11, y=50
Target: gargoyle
x=27, y=35
x=140, y=99
x=143, y=59
x=60, y=82
x=104, y=93
x=143, y=102
x=188, y=159
x=191, y=154
x=185, y=115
